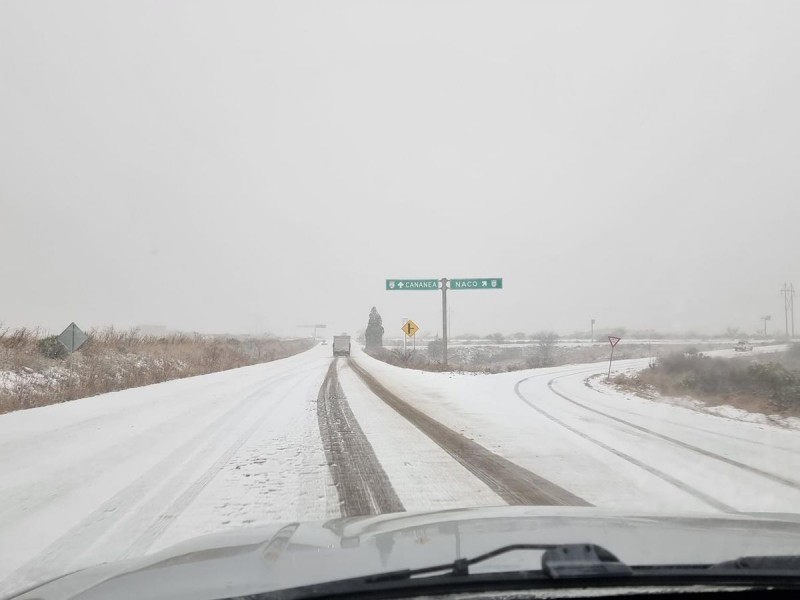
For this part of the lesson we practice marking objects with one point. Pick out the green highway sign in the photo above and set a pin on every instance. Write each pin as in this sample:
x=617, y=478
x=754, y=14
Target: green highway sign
x=477, y=284
x=412, y=284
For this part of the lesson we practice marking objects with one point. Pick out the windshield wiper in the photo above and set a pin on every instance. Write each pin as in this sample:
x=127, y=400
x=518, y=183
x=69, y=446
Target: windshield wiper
x=558, y=561
x=561, y=565
x=761, y=564
x=587, y=561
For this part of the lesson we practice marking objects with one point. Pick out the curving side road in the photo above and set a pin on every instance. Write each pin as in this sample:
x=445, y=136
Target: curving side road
x=725, y=464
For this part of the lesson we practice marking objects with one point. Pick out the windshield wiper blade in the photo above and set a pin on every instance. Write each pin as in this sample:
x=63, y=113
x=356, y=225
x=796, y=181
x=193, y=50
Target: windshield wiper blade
x=559, y=561
x=562, y=566
x=789, y=564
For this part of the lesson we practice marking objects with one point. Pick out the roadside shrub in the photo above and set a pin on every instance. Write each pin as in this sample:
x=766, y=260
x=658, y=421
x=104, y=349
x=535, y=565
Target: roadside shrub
x=50, y=347
x=402, y=357
x=435, y=349
x=407, y=358
x=771, y=376
x=770, y=382
x=793, y=353
x=18, y=339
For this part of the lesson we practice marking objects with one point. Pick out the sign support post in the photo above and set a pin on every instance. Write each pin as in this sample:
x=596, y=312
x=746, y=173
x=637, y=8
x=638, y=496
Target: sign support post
x=444, y=321
x=613, y=340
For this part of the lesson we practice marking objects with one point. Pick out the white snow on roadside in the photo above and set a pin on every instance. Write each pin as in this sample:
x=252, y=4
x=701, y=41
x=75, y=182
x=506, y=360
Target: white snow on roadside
x=12, y=380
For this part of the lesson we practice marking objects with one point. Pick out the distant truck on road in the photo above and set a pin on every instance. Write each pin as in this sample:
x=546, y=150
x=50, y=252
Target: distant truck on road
x=341, y=345
x=742, y=346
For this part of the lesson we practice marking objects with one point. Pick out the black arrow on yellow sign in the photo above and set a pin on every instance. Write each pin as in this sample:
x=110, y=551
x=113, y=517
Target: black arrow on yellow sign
x=410, y=328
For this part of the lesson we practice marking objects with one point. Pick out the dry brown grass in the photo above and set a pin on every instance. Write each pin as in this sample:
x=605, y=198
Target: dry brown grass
x=755, y=384
x=114, y=360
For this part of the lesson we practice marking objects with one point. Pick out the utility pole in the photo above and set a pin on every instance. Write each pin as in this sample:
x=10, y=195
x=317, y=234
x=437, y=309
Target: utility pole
x=788, y=306
x=444, y=321
x=765, y=318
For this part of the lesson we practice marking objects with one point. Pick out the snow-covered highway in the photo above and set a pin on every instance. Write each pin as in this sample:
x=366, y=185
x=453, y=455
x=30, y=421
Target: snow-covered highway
x=309, y=438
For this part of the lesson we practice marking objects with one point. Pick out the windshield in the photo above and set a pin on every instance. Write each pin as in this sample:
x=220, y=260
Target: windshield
x=271, y=263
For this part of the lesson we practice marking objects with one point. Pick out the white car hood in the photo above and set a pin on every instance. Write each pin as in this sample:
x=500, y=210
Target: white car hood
x=291, y=555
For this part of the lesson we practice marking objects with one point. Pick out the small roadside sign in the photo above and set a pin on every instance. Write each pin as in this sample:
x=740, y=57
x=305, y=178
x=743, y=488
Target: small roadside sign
x=412, y=284
x=613, y=340
x=72, y=338
x=410, y=328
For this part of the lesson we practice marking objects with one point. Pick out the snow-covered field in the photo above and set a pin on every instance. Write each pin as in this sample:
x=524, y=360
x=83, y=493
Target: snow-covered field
x=130, y=472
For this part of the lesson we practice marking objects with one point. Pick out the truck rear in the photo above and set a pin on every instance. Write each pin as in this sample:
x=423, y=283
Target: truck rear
x=341, y=345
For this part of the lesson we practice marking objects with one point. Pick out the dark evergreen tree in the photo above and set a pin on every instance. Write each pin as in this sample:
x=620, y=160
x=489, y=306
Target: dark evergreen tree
x=374, y=333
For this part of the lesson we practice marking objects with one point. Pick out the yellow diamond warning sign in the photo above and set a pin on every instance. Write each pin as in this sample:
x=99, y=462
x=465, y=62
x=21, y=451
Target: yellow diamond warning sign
x=410, y=328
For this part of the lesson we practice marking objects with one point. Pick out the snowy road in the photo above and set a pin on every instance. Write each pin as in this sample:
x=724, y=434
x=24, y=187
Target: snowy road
x=308, y=438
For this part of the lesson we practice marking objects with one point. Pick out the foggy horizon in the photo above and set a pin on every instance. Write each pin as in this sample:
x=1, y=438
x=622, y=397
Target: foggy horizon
x=254, y=167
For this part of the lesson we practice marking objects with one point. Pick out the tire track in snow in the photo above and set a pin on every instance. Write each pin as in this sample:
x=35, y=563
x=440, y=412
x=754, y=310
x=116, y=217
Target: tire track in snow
x=513, y=483
x=362, y=484
x=708, y=453
x=710, y=500
x=703, y=430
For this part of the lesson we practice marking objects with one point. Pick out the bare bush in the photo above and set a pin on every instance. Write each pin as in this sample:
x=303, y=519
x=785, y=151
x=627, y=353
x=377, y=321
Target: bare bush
x=436, y=349
x=50, y=347
x=762, y=386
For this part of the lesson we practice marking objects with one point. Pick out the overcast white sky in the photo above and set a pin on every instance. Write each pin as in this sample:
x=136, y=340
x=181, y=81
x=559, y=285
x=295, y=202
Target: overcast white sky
x=251, y=166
